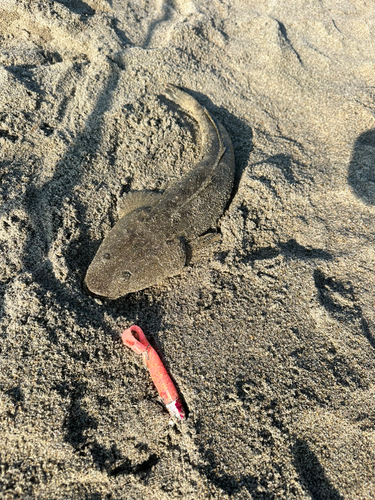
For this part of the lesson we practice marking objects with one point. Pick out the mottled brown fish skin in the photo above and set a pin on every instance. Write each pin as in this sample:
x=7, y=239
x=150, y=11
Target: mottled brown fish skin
x=151, y=241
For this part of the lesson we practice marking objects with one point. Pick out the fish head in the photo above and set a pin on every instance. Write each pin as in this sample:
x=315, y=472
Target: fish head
x=133, y=257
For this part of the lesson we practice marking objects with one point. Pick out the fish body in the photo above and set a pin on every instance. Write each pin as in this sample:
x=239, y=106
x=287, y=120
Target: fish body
x=152, y=240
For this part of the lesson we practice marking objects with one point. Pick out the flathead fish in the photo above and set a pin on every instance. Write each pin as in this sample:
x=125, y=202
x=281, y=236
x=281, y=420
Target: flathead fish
x=153, y=238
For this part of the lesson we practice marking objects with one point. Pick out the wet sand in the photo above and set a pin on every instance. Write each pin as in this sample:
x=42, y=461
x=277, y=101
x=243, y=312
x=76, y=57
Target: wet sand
x=270, y=333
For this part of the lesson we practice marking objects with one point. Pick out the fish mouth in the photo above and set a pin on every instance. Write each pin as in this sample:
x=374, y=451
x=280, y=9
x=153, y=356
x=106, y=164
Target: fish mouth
x=99, y=295
x=96, y=289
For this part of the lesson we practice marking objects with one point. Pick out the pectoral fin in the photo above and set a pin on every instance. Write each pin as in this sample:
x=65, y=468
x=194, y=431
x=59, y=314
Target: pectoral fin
x=136, y=200
x=203, y=246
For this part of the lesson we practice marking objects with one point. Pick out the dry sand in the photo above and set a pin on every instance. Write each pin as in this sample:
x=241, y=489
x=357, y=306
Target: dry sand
x=270, y=334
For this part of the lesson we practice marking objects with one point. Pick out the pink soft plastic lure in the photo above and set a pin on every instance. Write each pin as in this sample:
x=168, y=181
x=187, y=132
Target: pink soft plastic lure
x=134, y=338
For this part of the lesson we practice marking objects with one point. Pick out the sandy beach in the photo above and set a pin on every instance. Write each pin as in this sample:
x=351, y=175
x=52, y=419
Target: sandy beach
x=269, y=333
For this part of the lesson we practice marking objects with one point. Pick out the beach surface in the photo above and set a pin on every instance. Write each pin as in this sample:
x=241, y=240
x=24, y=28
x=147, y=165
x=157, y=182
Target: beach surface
x=269, y=333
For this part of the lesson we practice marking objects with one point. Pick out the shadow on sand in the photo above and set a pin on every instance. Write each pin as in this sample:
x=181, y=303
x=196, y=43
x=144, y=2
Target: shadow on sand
x=361, y=170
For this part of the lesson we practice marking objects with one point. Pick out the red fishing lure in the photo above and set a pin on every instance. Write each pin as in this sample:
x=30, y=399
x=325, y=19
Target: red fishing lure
x=134, y=338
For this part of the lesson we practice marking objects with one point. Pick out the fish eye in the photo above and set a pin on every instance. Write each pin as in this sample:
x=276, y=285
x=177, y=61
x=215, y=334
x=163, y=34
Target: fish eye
x=106, y=256
x=125, y=275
